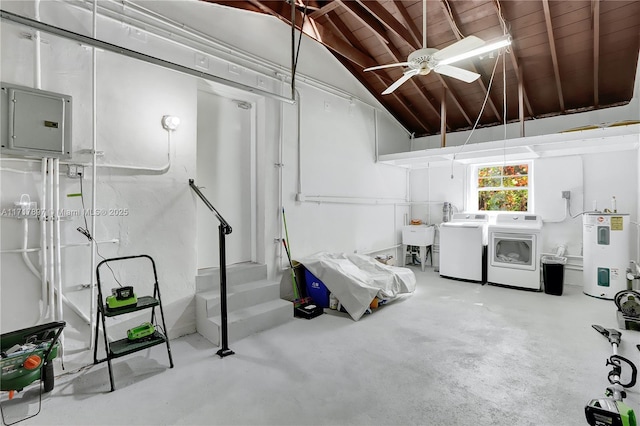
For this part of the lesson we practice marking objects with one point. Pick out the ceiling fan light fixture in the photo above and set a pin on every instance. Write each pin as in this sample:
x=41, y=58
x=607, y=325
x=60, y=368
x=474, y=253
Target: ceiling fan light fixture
x=489, y=46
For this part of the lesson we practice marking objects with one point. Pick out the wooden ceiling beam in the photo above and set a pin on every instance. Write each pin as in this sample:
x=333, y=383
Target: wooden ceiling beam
x=339, y=27
x=454, y=97
x=306, y=4
x=389, y=21
x=514, y=60
x=324, y=10
x=404, y=103
x=454, y=29
x=362, y=15
x=596, y=52
x=337, y=41
x=554, y=55
x=276, y=8
x=323, y=35
x=416, y=34
x=245, y=5
x=391, y=49
x=519, y=72
x=384, y=100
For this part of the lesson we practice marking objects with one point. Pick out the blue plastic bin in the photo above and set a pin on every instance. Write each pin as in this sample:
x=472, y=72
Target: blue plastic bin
x=316, y=290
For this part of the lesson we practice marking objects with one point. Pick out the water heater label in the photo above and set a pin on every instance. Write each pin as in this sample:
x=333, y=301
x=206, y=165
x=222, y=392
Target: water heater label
x=616, y=223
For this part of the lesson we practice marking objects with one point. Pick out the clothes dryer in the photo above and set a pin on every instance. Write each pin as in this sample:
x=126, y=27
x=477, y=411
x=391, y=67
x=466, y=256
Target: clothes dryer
x=515, y=242
x=463, y=247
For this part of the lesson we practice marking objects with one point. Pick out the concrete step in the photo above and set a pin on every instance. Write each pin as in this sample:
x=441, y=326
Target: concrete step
x=238, y=273
x=239, y=296
x=245, y=322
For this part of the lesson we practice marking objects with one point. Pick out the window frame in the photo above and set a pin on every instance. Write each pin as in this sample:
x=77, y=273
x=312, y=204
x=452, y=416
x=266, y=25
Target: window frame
x=474, y=190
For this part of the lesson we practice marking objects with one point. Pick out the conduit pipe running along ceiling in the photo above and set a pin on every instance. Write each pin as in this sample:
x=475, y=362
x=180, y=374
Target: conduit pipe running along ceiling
x=96, y=43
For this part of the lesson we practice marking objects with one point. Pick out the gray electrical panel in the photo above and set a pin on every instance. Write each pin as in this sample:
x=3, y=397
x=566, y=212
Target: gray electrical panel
x=35, y=123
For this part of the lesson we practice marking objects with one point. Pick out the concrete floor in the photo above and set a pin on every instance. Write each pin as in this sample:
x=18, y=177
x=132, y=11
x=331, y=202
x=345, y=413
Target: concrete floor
x=453, y=353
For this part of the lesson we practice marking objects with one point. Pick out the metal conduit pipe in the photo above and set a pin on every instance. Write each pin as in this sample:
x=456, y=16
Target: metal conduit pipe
x=57, y=253
x=95, y=43
x=280, y=166
x=37, y=56
x=195, y=36
x=51, y=250
x=299, y=142
x=94, y=160
x=27, y=261
x=37, y=73
x=33, y=250
x=43, y=241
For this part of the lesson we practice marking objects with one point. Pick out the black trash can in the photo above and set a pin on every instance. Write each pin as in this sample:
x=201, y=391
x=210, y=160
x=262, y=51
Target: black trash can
x=553, y=274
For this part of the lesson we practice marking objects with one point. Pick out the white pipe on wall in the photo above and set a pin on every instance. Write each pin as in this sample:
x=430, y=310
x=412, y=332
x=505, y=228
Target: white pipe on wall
x=94, y=138
x=37, y=55
x=299, y=141
x=28, y=262
x=25, y=240
x=51, y=250
x=566, y=209
x=33, y=250
x=57, y=253
x=44, y=268
x=375, y=134
x=159, y=170
x=280, y=166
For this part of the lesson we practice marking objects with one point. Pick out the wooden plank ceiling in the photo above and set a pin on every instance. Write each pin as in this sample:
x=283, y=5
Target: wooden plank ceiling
x=566, y=56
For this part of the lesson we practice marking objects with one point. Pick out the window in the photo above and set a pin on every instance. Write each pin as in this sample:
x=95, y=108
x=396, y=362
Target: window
x=503, y=187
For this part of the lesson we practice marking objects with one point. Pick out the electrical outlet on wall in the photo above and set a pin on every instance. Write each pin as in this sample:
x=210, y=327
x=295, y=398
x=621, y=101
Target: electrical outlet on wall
x=75, y=171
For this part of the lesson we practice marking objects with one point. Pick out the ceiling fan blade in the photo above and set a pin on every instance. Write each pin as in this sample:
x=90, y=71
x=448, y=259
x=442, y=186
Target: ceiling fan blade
x=455, y=72
x=407, y=75
x=379, y=67
x=458, y=48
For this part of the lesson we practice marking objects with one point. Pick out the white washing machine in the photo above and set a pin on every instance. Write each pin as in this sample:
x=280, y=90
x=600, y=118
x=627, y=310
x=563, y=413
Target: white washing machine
x=515, y=242
x=463, y=243
x=606, y=251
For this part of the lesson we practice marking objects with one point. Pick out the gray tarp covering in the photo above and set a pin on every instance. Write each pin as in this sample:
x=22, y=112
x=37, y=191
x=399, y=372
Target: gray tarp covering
x=356, y=279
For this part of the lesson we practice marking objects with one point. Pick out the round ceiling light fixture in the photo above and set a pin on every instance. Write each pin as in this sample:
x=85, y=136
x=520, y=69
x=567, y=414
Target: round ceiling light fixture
x=170, y=122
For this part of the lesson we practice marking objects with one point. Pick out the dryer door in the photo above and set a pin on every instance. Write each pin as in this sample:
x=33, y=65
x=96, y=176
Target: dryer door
x=513, y=250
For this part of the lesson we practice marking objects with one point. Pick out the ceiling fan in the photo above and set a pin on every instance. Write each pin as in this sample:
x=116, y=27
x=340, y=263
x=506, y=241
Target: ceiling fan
x=425, y=60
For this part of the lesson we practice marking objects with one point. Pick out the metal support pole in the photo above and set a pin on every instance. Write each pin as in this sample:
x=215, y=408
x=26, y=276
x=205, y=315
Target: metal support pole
x=443, y=118
x=521, y=103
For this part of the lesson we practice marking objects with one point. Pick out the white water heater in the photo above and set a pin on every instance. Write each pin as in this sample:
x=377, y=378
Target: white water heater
x=606, y=253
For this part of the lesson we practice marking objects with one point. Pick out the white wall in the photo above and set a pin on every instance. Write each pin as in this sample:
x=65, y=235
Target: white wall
x=132, y=98
x=356, y=210
x=337, y=154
